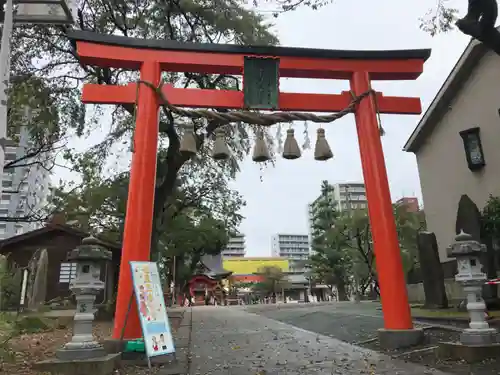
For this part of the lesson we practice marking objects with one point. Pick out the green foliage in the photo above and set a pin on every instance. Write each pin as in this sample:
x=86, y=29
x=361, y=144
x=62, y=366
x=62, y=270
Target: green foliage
x=342, y=244
x=32, y=324
x=408, y=224
x=33, y=123
x=439, y=19
x=331, y=261
x=188, y=240
x=12, y=326
x=97, y=206
x=58, y=68
x=10, y=284
x=274, y=280
x=491, y=217
x=31, y=105
x=7, y=332
x=199, y=184
x=243, y=285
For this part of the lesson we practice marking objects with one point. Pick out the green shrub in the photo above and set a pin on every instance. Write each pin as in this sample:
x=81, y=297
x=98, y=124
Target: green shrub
x=11, y=278
x=32, y=324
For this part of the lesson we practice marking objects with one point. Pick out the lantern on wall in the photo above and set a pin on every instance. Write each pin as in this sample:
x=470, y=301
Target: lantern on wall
x=473, y=148
x=54, y=12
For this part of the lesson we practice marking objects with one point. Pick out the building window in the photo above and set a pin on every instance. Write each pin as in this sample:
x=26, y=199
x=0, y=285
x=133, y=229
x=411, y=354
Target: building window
x=19, y=229
x=473, y=148
x=67, y=272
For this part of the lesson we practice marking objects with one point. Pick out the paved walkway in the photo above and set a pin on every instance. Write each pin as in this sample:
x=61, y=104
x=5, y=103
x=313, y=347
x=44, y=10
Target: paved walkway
x=231, y=341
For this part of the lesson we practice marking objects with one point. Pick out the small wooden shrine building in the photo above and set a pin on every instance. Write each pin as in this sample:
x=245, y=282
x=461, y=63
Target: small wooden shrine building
x=208, y=281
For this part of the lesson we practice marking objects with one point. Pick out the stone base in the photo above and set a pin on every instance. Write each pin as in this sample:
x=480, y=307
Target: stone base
x=75, y=354
x=114, y=346
x=96, y=366
x=141, y=359
x=474, y=337
x=400, y=338
x=468, y=353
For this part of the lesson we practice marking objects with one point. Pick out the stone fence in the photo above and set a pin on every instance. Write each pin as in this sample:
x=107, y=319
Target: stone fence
x=454, y=292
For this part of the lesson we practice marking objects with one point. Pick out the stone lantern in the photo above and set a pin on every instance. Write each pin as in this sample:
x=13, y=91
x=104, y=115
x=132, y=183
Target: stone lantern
x=87, y=284
x=467, y=252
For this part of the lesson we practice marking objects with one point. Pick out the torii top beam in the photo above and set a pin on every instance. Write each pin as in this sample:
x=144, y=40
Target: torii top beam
x=122, y=52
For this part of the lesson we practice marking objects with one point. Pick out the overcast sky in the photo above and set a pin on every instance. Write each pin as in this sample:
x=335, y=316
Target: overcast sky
x=279, y=203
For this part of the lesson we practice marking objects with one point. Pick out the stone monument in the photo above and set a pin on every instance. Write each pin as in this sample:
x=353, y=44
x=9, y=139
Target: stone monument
x=432, y=271
x=469, y=220
x=84, y=355
x=479, y=341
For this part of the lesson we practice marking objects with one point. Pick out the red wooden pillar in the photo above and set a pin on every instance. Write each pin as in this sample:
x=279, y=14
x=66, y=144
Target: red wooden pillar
x=138, y=223
x=388, y=259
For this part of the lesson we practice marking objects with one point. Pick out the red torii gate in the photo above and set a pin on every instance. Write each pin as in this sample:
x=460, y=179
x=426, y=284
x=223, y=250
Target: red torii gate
x=151, y=57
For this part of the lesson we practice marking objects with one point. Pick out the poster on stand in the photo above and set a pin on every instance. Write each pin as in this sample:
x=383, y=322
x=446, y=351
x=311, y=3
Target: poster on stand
x=152, y=310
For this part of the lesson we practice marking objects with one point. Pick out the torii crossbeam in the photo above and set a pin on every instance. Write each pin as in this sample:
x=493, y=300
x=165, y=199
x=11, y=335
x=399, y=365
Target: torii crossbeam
x=151, y=57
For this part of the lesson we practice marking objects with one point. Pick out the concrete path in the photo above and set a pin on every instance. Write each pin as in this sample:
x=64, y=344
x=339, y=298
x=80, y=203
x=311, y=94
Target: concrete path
x=232, y=341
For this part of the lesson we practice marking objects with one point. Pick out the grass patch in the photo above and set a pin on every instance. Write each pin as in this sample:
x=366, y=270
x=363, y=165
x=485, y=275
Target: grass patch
x=445, y=313
x=12, y=326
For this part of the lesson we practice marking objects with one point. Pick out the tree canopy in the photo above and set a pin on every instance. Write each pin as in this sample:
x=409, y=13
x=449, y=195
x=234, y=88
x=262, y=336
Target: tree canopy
x=274, y=280
x=342, y=246
x=46, y=56
x=330, y=260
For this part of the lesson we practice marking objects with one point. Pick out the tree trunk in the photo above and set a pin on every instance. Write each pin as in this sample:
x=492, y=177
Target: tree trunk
x=377, y=288
x=342, y=293
x=162, y=194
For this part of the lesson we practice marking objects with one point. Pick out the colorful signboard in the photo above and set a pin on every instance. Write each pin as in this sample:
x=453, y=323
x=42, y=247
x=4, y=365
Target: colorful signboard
x=152, y=311
x=250, y=266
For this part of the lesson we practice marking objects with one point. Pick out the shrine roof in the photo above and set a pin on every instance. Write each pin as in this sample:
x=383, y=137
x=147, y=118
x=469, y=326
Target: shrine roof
x=70, y=230
x=278, y=51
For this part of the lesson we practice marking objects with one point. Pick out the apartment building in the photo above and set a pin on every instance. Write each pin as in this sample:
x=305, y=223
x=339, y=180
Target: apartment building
x=350, y=196
x=409, y=203
x=294, y=247
x=24, y=189
x=235, y=247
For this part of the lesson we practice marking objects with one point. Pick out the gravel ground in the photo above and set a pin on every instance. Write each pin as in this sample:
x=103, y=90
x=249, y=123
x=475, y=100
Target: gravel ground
x=358, y=323
x=425, y=355
x=229, y=341
x=348, y=322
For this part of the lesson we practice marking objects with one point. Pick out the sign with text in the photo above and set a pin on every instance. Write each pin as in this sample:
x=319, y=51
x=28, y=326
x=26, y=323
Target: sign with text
x=152, y=310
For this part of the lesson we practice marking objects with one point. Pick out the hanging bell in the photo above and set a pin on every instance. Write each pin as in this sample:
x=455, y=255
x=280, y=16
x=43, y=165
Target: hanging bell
x=322, y=151
x=221, y=151
x=260, y=150
x=291, y=150
x=188, y=143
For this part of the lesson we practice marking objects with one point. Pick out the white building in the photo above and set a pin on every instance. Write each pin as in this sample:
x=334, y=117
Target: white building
x=350, y=196
x=291, y=246
x=235, y=247
x=24, y=189
x=344, y=197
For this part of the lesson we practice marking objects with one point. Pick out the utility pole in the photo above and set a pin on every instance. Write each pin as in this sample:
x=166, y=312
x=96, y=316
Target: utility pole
x=8, y=24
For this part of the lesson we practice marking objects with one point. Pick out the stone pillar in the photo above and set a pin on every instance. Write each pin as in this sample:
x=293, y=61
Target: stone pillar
x=468, y=252
x=86, y=286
